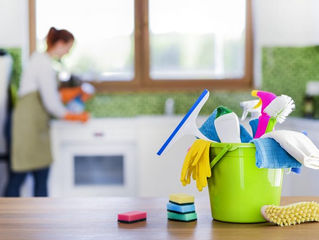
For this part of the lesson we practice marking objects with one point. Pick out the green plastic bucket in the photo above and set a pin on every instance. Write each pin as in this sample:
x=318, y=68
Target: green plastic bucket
x=237, y=188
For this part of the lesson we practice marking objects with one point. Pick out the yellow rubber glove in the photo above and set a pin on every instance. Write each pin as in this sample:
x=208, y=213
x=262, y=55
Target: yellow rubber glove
x=197, y=164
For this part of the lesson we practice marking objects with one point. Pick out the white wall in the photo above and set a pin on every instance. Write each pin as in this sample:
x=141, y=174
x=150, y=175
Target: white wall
x=14, y=25
x=283, y=23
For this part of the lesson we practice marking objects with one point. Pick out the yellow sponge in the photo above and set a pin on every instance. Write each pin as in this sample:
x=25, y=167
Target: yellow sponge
x=181, y=198
x=291, y=214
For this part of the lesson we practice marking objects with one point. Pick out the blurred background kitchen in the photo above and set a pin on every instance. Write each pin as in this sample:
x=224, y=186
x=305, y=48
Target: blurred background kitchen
x=148, y=60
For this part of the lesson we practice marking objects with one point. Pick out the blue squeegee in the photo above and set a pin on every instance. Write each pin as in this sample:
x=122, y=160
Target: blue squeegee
x=188, y=124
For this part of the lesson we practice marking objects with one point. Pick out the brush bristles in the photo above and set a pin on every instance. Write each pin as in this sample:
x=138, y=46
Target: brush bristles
x=280, y=108
x=292, y=214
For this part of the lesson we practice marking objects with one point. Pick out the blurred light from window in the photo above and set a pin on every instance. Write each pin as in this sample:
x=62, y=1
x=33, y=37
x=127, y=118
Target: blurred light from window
x=202, y=39
x=104, y=33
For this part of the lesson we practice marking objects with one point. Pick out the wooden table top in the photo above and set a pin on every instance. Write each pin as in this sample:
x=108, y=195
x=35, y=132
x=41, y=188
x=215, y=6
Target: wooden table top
x=96, y=218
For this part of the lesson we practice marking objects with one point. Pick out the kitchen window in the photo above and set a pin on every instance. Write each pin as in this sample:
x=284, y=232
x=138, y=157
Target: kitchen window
x=152, y=44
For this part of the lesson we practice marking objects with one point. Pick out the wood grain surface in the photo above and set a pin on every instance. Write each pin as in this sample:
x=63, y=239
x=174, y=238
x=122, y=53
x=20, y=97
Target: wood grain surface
x=96, y=218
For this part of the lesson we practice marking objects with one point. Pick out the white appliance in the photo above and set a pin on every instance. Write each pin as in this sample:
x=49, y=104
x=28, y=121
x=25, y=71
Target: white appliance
x=93, y=159
x=5, y=72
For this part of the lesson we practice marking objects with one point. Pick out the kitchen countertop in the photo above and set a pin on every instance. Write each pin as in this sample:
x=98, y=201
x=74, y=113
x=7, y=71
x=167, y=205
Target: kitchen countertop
x=96, y=218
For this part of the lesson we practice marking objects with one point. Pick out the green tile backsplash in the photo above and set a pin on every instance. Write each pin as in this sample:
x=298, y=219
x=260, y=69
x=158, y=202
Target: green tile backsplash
x=16, y=71
x=119, y=104
x=285, y=70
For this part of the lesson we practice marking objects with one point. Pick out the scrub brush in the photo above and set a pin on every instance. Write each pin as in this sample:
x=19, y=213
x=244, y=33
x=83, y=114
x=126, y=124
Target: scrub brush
x=278, y=110
x=291, y=214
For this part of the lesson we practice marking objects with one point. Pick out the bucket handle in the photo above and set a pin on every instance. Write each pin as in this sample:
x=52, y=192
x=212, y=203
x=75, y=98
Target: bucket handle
x=220, y=155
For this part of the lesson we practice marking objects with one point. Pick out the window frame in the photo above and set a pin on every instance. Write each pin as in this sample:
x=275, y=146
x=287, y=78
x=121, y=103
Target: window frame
x=142, y=80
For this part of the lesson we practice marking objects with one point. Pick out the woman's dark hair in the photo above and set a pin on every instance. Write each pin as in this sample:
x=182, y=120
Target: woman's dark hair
x=55, y=35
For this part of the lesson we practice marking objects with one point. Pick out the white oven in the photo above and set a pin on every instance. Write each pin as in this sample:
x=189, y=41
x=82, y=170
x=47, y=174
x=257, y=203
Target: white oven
x=94, y=159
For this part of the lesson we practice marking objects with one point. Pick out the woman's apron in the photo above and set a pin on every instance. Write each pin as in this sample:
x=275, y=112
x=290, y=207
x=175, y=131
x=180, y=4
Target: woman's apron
x=31, y=148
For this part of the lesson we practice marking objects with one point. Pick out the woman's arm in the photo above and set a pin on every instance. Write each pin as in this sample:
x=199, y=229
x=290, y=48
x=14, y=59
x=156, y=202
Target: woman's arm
x=49, y=92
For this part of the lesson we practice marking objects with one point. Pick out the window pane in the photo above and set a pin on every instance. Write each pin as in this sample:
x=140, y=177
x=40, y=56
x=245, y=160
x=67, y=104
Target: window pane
x=104, y=33
x=197, y=39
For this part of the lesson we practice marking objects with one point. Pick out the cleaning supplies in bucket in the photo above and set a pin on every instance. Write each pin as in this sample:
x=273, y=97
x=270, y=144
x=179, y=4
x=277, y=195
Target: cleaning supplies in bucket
x=242, y=177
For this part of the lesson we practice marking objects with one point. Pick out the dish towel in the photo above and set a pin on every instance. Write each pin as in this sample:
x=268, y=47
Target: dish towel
x=209, y=130
x=298, y=145
x=269, y=154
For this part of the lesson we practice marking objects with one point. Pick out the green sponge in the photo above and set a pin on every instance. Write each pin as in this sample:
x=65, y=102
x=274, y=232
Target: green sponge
x=186, y=217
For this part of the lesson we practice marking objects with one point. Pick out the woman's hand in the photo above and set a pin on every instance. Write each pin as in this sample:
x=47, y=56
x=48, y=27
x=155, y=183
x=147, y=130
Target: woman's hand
x=85, y=96
x=69, y=93
x=82, y=117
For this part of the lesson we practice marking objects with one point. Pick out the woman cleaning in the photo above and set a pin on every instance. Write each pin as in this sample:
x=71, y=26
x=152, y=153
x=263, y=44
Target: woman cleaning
x=39, y=99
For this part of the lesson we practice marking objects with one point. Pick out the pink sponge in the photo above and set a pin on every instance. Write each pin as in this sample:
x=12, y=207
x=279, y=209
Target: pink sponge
x=131, y=217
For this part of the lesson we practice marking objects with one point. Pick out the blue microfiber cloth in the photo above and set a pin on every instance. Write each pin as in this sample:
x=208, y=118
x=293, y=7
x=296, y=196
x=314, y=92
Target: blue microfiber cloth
x=209, y=130
x=245, y=137
x=208, y=127
x=269, y=154
x=253, y=124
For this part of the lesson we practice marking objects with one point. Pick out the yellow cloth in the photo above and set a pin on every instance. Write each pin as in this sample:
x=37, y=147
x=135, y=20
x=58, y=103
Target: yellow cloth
x=197, y=164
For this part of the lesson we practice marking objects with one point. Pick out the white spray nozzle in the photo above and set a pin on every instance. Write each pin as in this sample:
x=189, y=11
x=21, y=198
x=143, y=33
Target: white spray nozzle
x=88, y=88
x=248, y=107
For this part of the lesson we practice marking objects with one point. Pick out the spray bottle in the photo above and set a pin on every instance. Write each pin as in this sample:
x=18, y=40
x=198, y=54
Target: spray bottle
x=249, y=107
x=265, y=99
x=77, y=105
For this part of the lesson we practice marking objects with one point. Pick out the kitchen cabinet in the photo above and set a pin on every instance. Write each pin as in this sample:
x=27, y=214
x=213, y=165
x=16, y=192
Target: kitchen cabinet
x=155, y=176
x=97, y=158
